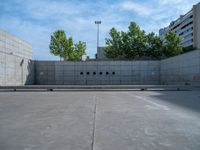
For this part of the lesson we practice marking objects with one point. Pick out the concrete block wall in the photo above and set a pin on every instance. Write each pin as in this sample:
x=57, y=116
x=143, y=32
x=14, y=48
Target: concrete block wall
x=97, y=72
x=181, y=69
x=16, y=66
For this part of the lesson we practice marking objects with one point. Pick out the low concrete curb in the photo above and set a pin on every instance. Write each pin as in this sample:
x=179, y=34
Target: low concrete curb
x=97, y=87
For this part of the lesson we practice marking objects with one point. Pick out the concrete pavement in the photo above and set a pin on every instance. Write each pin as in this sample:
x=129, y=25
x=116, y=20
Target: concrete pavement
x=129, y=120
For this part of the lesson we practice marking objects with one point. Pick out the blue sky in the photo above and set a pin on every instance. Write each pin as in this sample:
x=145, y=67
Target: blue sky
x=35, y=20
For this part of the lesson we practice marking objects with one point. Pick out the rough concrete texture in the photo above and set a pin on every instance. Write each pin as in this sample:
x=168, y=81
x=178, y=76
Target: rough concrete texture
x=97, y=72
x=181, y=69
x=12, y=44
x=16, y=67
x=15, y=70
x=100, y=120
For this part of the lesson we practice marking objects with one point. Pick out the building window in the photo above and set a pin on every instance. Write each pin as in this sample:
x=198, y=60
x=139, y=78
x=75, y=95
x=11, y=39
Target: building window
x=88, y=73
x=100, y=73
x=94, y=73
x=187, y=25
x=113, y=73
x=107, y=73
x=81, y=73
x=187, y=36
x=187, y=42
x=188, y=30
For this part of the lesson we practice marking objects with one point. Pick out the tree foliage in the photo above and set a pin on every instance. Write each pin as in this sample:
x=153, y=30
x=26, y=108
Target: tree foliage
x=114, y=44
x=154, y=46
x=135, y=44
x=172, y=45
x=65, y=48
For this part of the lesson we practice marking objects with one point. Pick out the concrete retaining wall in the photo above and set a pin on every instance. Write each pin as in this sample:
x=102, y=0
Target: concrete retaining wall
x=181, y=69
x=97, y=72
x=15, y=70
x=16, y=66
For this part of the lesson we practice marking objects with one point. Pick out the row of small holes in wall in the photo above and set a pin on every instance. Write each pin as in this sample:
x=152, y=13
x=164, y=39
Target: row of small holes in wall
x=94, y=73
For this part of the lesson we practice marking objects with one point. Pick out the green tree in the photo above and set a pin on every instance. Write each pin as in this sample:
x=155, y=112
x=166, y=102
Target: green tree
x=114, y=44
x=134, y=42
x=79, y=50
x=57, y=43
x=130, y=44
x=65, y=48
x=172, y=45
x=154, y=46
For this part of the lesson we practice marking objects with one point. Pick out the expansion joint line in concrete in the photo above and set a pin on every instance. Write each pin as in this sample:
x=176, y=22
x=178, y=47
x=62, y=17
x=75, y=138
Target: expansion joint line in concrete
x=94, y=122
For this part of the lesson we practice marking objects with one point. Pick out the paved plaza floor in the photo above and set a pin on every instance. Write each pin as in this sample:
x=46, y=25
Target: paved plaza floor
x=128, y=120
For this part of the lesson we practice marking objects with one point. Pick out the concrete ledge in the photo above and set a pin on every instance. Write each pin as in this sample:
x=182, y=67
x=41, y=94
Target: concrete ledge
x=99, y=87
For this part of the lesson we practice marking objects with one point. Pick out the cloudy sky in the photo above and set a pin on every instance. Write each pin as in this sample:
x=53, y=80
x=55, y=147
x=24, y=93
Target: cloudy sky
x=35, y=20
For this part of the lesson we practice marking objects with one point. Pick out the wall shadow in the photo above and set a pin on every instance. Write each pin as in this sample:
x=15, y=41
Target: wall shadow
x=186, y=99
x=30, y=76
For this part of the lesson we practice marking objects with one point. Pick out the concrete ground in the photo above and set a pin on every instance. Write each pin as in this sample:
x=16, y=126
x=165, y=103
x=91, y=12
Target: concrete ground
x=134, y=120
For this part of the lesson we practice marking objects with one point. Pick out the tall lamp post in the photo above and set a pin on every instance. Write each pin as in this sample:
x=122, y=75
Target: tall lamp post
x=97, y=23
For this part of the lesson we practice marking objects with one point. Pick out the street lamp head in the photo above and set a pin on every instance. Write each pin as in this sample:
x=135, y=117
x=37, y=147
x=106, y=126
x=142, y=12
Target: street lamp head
x=97, y=22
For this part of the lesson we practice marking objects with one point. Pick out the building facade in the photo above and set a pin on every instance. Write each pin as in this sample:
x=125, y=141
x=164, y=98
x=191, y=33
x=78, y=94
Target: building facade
x=16, y=65
x=187, y=27
x=100, y=54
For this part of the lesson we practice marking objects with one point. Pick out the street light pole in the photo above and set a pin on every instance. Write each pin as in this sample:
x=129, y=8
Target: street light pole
x=97, y=23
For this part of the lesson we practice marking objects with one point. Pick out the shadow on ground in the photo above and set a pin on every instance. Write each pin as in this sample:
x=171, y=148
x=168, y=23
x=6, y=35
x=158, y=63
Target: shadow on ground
x=189, y=100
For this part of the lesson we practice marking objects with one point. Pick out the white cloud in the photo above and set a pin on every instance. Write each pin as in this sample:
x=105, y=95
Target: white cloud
x=171, y=2
x=34, y=21
x=38, y=36
x=153, y=15
x=52, y=9
x=138, y=8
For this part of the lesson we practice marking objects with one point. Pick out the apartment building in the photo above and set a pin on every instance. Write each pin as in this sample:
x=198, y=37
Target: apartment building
x=187, y=27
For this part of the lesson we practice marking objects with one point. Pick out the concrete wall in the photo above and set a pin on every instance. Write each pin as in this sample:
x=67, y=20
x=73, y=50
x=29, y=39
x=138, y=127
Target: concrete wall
x=11, y=44
x=89, y=72
x=16, y=67
x=15, y=70
x=197, y=25
x=181, y=69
